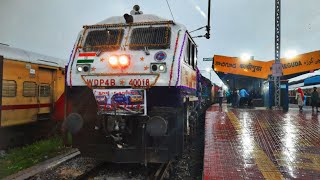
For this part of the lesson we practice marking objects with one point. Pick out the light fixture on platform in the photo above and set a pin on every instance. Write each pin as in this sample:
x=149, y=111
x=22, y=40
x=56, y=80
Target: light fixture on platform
x=291, y=54
x=245, y=57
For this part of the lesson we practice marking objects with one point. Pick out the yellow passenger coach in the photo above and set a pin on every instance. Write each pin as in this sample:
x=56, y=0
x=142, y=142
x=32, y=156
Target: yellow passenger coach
x=32, y=87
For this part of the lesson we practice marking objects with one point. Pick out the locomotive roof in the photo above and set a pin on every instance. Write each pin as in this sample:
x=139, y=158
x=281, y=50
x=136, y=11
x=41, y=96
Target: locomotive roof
x=136, y=19
x=28, y=56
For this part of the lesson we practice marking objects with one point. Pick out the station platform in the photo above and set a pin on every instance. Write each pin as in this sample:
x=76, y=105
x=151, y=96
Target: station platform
x=261, y=144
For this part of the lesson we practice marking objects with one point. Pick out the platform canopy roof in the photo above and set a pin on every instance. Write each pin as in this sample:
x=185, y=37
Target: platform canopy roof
x=304, y=76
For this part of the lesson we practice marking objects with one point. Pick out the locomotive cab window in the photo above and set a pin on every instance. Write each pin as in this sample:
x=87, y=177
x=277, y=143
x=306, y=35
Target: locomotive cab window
x=187, y=55
x=190, y=55
x=9, y=88
x=195, y=57
x=29, y=89
x=150, y=37
x=104, y=39
x=44, y=90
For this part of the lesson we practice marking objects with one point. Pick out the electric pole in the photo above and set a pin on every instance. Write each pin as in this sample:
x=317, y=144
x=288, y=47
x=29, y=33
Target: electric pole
x=277, y=66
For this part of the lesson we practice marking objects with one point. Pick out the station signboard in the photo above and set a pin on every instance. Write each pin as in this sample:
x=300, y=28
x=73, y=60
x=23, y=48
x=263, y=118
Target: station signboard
x=234, y=65
x=261, y=69
x=207, y=59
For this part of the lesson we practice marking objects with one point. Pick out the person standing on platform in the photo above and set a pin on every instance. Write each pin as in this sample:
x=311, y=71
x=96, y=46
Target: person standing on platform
x=300, y=98
x=314, y=99
x=220, y=95
x=234, y=97
x=228, y=96
x=243, y=96
x=238, y=97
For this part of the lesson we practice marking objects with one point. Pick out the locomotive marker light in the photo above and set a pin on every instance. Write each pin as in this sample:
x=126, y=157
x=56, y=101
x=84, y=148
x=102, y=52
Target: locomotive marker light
x=154, y=67
x=83, y=68
x=158, y=67
x=79, y=68
x=161, y=68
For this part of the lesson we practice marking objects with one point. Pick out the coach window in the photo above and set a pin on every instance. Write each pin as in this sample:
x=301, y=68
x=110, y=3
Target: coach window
x=44, y=90
x=29, y=89
x=9, y=88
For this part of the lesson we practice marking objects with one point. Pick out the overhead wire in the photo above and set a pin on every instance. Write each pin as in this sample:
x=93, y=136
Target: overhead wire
x=170, y=10
x=197, y=29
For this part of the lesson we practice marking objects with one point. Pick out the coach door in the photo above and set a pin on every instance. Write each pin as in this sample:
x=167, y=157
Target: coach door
x=45, y=91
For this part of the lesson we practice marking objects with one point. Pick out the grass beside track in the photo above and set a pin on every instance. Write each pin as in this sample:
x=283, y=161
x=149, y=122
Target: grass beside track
x=21, y=158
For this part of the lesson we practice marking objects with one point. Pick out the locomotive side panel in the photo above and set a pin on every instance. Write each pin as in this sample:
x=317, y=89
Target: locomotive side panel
x=189, y=64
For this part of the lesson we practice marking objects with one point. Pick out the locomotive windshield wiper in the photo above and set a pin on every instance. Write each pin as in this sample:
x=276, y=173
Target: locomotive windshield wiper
x=146, y=50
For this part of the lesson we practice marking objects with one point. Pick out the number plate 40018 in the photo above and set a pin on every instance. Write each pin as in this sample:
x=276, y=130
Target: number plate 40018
x=139, y=82
x=117, y=82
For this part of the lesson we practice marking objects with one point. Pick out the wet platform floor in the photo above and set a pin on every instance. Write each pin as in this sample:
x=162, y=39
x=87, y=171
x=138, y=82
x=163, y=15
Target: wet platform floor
x=261, y=144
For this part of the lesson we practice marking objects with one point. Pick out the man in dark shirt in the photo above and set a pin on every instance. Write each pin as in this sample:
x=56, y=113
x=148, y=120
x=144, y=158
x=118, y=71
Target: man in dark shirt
x=314, y=99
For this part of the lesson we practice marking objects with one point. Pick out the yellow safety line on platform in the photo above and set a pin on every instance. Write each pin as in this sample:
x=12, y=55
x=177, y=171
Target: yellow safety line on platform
x=265, y=165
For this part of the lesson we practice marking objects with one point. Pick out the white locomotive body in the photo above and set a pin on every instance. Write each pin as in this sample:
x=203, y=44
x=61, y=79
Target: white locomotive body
x=132, y=89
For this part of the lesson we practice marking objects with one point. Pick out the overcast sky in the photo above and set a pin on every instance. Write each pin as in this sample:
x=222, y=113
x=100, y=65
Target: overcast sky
x=50, y=26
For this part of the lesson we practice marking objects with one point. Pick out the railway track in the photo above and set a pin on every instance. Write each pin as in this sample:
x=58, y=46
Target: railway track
x=72, y=165
x=162, y=172
x=50, y=163
x=127, y=171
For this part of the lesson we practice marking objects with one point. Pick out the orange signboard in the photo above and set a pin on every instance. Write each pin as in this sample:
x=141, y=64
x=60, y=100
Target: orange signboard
x=261, y=69
x=234, y=65
x=301, y=63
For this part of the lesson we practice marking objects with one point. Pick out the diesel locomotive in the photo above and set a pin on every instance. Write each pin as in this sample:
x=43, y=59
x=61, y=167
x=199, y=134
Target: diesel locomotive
x=133, y=89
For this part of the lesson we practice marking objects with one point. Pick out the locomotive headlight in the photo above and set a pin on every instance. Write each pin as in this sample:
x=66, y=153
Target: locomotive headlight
x=113, y=61
x=124, y=61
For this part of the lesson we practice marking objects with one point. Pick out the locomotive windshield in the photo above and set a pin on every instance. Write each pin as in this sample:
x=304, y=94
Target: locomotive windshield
x=151, y=37
x=106, y=39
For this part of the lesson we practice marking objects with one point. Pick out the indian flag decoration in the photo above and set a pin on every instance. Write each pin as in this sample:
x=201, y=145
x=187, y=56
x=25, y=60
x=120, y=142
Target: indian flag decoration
x=86, y=57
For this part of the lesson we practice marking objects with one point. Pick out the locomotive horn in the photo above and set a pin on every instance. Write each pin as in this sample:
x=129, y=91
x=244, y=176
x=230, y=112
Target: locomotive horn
x=136, y=10
x=136, y=7
x=128, y=18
